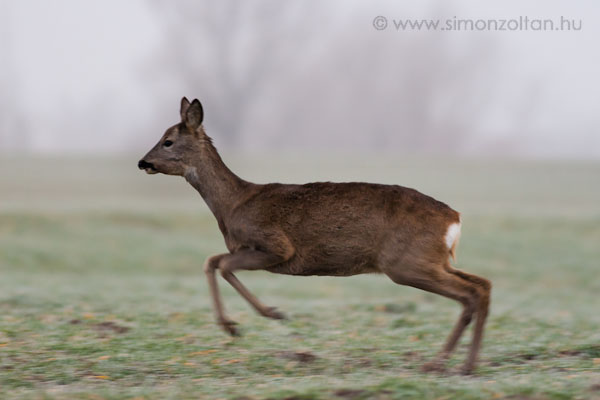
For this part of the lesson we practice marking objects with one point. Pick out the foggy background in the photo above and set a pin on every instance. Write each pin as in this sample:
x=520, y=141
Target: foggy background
x=106, y=77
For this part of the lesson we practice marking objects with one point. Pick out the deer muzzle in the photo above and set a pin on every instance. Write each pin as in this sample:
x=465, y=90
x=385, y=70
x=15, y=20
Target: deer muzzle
x=148, y=167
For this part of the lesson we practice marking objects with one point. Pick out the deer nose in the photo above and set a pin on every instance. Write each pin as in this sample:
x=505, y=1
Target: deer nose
x=142, y=164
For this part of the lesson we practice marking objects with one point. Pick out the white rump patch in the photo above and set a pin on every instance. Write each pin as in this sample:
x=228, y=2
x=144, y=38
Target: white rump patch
x=452, y=234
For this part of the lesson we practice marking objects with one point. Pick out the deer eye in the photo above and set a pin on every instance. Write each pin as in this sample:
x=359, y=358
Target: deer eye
x=167, y=143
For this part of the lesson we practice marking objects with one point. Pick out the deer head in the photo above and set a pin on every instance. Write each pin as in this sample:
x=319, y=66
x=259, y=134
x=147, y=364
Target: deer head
x=180, y=145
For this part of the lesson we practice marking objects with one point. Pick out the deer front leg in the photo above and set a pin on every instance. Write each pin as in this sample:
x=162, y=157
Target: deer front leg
x=265, y=311
x=210, y=266
x=250, y=260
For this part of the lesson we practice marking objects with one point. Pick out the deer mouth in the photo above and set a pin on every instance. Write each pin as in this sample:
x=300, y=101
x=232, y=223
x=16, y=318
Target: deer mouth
x=148, y=167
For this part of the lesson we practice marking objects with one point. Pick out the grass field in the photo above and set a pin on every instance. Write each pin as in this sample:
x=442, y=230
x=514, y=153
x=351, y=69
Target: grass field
x=102, y=293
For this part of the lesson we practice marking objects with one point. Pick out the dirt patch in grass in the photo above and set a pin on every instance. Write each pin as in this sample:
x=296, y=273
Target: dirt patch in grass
x=586, y=351
x=110, y=326
x=349, y=393
x=394, y=308
x=595, y=387
x=358, y=362
x=412, y=356
x=293, y=397
x=524, y=357
x=300, y=356
x=591, y=351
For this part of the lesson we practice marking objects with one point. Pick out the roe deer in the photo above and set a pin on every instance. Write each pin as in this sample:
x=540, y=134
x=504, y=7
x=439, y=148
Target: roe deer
x=335, y=229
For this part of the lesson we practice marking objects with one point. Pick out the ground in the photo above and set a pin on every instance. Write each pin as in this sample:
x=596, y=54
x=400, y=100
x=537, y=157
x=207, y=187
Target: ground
x=102, y=293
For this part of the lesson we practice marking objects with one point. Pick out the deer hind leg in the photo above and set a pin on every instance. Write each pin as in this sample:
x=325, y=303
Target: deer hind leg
x=440, y=280
x=485, y=289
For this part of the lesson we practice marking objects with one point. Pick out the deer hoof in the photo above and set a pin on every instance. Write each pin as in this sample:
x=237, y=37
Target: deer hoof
x=272, y=312
x=229, y=326
x=466, y=370
x=433, y=366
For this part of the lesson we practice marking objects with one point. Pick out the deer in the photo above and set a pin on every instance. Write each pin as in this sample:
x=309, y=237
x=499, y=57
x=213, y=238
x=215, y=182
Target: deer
x=322, y=228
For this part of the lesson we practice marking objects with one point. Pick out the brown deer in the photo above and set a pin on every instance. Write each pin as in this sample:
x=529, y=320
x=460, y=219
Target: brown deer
x=334, y=229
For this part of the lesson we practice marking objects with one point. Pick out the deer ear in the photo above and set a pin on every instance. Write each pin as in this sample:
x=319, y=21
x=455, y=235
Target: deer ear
x=194, y=115
x=185, y=104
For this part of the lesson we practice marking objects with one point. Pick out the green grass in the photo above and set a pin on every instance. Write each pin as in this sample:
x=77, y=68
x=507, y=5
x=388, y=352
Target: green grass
x=102, y=293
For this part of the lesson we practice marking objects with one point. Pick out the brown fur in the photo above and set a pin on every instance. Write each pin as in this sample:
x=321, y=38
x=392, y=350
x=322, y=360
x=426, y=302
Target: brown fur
x=324, y=228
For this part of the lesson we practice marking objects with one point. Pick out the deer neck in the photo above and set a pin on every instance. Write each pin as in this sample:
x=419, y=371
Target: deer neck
x=219, y=187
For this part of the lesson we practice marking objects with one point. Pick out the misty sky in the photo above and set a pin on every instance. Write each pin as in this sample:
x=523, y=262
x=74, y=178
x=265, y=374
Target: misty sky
x=65, y=58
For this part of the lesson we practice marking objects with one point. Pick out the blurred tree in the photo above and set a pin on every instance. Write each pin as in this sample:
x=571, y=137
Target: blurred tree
x=291, y=71
x=416, y=91
x=226, y=52
x=14, y=132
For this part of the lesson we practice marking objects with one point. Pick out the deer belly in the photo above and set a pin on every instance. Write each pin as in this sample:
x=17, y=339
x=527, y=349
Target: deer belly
x=345, y=265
